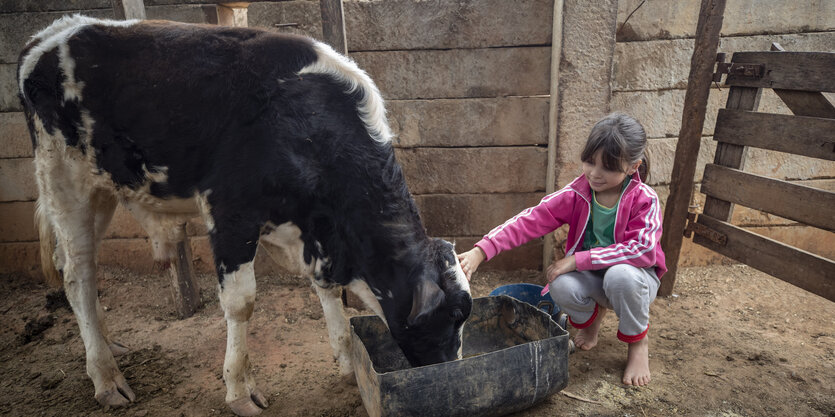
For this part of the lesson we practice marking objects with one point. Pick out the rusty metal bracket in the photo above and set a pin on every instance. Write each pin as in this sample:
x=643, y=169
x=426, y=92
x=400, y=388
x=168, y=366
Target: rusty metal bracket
x=736, y=69
x=692, y=227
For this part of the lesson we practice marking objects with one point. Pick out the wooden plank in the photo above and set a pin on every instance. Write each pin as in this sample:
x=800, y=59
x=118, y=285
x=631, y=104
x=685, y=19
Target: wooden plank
x=728, y=154
x=808, y=271
x=807, y=71
x=333, y=25
x=793, y=201
x=687, y=150
x=807, y=136
x=807, y=103
x=185, y=292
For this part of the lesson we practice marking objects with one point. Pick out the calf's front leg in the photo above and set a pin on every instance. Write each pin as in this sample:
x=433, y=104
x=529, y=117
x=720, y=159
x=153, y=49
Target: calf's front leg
x=237, y=297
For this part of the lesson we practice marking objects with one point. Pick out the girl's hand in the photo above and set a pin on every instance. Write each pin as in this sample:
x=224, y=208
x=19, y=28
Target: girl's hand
x=562, y=266
x=470, y=260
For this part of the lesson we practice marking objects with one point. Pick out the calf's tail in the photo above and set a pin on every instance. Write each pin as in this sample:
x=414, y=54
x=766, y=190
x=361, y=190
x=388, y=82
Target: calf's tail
x=46, y=236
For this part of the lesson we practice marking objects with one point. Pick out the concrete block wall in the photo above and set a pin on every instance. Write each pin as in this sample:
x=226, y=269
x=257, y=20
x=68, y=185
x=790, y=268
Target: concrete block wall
x=466, y=87
x=651, y=67
x=126, y=244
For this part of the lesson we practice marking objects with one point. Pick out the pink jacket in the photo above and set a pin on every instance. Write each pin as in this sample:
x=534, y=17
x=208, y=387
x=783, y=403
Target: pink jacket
x=637, y=227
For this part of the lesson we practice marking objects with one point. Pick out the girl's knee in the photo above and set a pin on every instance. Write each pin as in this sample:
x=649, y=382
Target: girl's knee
x=564, y=290
x=622, y=278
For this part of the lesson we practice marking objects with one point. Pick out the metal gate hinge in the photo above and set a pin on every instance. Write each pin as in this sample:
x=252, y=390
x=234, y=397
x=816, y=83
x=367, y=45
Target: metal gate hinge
x=692, y=227
x=736, y=69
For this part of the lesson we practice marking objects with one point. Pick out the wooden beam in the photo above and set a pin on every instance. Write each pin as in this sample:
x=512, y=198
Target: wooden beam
x=807, y=136
x=232, y=14
x=689, y=138
x=333, y=25
x=806, y=270
x=804, y=204
x=804, y=103
x=807, y=71
x=553, y=118
x=186, y=293
x=128, y=9
x=731, y=155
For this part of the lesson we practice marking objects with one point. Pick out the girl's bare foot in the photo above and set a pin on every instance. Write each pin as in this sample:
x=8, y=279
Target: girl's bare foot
x=587, y=338
x=637, y=364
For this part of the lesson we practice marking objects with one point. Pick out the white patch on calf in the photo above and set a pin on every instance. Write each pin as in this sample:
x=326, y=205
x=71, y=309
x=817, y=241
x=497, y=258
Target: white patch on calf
x=371, y=108
x=56, y=35
x=237, y=297
x=460, y=278
x=339, y=332
x=364, y=292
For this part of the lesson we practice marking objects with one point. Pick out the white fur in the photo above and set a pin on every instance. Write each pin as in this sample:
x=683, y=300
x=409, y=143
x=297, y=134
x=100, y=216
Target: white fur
x=371, y=107
x=56, y=35
x=237, y=297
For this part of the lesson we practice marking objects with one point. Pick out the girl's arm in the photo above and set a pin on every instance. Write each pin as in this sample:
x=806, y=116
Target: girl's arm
x=531, y=223
x=641, y=241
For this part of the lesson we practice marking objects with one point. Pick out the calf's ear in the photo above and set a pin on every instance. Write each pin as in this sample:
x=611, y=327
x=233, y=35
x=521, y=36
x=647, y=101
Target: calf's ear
x=426, y=298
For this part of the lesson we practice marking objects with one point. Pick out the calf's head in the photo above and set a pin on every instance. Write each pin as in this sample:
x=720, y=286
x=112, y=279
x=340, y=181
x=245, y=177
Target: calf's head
x=441, y=303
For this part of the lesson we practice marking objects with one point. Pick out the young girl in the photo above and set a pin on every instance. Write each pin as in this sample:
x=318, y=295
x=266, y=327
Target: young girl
x=613, y=253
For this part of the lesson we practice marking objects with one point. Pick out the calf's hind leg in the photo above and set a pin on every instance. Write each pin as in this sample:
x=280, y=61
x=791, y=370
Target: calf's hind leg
x=74, y=216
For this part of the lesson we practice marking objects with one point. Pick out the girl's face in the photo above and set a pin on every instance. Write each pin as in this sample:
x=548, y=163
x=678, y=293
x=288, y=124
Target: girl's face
x=603, y=180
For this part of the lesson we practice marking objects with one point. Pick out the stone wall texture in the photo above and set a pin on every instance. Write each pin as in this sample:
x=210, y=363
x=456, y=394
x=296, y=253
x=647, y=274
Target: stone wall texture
x=467, y=86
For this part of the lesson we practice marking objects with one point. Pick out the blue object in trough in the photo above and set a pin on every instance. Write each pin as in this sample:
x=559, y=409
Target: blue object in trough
x=531, y=294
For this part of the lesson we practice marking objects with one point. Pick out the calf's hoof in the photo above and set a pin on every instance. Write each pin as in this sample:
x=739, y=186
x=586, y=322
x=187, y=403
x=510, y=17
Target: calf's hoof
x=118, y=395
x=118, y=349
x=249, y=406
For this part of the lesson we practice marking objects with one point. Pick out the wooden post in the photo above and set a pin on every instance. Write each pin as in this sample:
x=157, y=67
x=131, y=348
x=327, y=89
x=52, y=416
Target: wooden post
x=333, y=25
x=128, y=9
x=186, y=293
x=553, y=118
x=690, y=136
x=232, y=14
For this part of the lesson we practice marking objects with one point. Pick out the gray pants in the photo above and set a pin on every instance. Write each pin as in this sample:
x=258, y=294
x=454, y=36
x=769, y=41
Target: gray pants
x=626, y=289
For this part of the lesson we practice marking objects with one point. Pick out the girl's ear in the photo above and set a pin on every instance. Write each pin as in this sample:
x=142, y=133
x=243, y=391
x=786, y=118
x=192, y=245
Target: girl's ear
x=632, y=169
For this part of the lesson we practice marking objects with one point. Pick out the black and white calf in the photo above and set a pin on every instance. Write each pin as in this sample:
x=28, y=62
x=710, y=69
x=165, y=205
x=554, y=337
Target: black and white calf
x=266, y=136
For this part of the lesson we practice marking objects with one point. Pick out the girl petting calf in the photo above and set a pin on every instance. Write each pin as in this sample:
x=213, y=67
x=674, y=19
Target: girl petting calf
x=613, y=255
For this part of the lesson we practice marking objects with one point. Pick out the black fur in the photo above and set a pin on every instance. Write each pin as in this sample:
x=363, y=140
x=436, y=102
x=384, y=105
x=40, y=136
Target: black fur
x=224, y=111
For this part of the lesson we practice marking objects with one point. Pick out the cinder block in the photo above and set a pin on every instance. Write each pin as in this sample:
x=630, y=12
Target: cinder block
x=470, y=214
x=446, y=24
x=8, y=89
x=492, y=72
x=17, y=222
x=506, y=121
x=14, y=135
x=17, y=180
x=296, y=17
x=527, y=256
x=407, y=24
x=474, y=170
x=670, y=19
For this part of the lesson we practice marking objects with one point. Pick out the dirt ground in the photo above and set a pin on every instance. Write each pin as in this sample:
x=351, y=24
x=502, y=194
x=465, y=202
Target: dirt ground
x=732, y=342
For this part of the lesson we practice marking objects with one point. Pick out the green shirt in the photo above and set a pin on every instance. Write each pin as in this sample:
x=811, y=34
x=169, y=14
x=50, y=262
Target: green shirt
x=600, y=230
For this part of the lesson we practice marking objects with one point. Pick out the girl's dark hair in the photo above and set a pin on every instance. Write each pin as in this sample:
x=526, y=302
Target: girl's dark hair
x=622, y=140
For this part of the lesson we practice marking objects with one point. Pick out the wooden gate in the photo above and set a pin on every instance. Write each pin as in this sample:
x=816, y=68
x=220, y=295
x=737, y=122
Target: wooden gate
x=798, y=78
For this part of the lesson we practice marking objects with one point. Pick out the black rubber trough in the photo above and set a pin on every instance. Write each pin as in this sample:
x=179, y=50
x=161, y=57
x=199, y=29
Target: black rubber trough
x=515, y=356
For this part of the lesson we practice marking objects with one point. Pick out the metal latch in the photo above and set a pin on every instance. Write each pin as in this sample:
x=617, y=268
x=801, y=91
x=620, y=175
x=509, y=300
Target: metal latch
x=703, y=231
x=736, y=69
